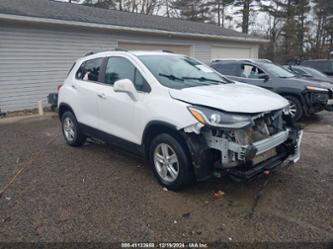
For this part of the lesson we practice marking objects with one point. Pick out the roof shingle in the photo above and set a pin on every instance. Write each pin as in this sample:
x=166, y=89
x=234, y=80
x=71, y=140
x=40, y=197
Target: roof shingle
x=74, y=12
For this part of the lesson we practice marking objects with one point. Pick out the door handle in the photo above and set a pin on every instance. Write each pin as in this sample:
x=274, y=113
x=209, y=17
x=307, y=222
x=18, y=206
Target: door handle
x=74, y=86
x=101, y=95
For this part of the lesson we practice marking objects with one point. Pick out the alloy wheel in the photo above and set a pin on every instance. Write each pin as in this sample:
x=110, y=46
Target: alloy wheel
x=166, y=162
x=292, y=109
x=69, y=129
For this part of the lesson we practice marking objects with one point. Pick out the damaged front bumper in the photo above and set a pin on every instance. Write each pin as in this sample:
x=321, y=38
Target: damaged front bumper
x=329, y=106
x=219, y=151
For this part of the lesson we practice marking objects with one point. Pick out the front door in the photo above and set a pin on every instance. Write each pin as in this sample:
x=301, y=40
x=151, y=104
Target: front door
x=251, y=74
x=118, y=111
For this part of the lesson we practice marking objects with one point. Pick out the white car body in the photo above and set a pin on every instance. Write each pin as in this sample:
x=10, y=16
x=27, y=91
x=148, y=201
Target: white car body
x=126, y=116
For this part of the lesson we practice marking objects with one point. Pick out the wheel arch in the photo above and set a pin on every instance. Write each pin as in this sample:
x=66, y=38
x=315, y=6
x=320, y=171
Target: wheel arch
x=154, y=128
x=63, y=107
x=286, y=92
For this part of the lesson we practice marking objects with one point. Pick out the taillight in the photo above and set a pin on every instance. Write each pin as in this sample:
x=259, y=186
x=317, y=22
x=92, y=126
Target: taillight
x=58, y=87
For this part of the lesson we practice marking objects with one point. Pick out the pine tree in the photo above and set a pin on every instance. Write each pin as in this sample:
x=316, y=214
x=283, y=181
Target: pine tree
x=218, y=8
x=246, y=7
x=194, y=10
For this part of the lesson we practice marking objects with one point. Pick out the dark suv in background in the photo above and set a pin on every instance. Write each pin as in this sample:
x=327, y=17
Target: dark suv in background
x=308, y=72
x=306, y=97
x=323, y=65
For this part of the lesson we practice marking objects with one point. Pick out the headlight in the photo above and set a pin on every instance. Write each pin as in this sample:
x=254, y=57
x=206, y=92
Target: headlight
x=221, y=119
x=318, y=89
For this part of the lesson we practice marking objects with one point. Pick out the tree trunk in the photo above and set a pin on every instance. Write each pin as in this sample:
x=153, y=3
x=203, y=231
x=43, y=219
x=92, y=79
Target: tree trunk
x=246, y=15
x=219, y=13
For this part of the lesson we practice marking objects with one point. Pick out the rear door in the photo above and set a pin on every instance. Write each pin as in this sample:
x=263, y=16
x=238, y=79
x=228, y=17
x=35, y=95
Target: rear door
x=87, y=86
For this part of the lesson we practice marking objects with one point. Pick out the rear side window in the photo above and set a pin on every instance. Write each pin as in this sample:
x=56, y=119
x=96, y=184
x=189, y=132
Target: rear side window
x=119, y=68
x=226, y=69
x=90, y=70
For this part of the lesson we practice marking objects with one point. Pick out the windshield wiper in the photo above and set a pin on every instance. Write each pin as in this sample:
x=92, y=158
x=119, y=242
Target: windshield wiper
x=171, y=77
x=203, y=79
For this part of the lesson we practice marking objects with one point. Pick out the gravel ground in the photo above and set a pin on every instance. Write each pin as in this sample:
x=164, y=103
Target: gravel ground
x=99, y=193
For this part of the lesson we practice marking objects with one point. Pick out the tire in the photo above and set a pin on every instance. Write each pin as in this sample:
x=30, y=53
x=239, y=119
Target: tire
x=71, y=130
x=171, y=174
x=296, y=105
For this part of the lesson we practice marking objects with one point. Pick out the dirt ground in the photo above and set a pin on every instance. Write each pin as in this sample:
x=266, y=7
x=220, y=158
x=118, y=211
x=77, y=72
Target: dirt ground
x=99, y=193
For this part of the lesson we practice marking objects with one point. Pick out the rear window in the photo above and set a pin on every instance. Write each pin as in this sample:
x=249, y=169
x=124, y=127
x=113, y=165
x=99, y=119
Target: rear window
x=90, y=70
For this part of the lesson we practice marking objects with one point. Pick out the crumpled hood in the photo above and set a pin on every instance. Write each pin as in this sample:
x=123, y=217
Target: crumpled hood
x=237, y=97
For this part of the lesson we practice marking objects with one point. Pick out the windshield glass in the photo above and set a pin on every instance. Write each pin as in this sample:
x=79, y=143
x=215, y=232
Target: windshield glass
x=316, y=73
x=278, y=71
x=179, y=71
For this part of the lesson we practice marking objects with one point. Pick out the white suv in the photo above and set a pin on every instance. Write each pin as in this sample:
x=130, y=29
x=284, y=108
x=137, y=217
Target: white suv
x=189, y=121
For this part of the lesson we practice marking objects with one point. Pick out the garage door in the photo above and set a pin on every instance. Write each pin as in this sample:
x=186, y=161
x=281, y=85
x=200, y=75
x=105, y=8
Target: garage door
x=235, y=53
x=180, y=49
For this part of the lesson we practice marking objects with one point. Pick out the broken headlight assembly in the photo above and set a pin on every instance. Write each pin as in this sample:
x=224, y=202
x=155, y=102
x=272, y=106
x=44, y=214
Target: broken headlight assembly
x=217, y=118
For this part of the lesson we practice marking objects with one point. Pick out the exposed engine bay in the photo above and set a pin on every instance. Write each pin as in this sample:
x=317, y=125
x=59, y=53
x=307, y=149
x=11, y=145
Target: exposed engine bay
x=263, y=137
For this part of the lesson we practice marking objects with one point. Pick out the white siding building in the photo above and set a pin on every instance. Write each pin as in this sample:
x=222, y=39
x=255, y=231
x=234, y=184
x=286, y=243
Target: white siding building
x=40, y=40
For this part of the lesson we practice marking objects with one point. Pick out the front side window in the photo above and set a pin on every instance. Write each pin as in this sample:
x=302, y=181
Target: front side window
x=178, y=71
x=119, y=68
x=90, y=70
x=251, y=71
x=277, y=71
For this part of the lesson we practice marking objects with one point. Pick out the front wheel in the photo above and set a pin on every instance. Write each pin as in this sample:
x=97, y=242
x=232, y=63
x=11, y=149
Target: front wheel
x=170, y=162
x=71, y=130
x=295, y=108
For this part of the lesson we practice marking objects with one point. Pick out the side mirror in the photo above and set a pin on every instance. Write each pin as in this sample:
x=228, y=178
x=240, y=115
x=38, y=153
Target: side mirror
x=126, y=86
x=264, y=77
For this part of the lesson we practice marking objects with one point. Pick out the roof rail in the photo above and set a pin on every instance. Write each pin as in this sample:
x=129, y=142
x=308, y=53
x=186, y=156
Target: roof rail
x=90, y=53
x=168, y=51
x=224, y=59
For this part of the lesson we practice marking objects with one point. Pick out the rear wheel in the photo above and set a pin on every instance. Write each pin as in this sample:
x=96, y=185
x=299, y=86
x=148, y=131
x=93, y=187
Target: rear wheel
x=71, y=130
x=295, y=108
x=170, y=162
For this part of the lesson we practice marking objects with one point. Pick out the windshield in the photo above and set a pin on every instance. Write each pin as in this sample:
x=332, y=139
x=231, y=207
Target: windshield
x=179, y=71
x=278, y=71
x=316, y=73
